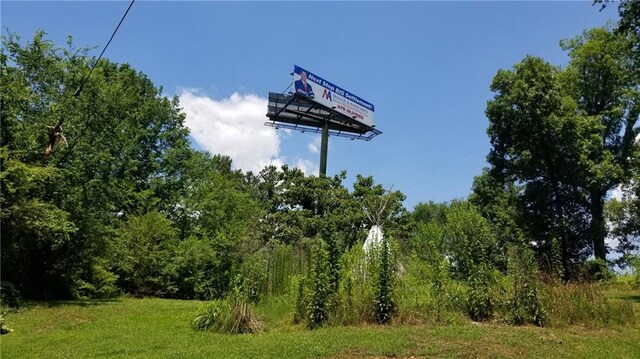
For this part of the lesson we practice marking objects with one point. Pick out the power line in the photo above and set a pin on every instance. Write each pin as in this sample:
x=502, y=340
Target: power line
x=57, y=130
x=86, y=78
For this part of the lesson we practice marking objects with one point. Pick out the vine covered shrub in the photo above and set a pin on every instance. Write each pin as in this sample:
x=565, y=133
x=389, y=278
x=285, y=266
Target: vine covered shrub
x=385, y=305
x=320, y=287
x=355, y=294
x=479, y=302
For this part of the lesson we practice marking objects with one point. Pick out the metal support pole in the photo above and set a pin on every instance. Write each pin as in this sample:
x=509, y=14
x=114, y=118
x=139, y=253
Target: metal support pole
x=323, y=148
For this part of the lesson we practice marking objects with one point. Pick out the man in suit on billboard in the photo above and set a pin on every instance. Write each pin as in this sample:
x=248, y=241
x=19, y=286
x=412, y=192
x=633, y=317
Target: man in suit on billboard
x=302, y=87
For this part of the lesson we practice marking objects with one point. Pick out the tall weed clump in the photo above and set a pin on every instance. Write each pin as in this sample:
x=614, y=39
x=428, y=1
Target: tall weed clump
x=524, y=305
x=301, y=301
x=480, y=303
x=425, y=290
x=355, y=294
x=233, y=314
x=472, y=247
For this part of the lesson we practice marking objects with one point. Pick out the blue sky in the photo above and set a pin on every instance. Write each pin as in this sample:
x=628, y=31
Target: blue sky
x=426, y=66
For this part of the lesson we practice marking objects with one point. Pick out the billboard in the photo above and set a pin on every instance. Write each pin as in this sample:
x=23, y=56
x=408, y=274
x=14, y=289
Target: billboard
x=309, y=85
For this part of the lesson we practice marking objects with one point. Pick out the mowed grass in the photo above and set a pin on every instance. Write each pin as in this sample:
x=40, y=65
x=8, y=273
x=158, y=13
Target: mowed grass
x=159, y=328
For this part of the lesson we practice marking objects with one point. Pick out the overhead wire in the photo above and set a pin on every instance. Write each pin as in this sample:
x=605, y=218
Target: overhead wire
x=86, y=78
x=78, y=91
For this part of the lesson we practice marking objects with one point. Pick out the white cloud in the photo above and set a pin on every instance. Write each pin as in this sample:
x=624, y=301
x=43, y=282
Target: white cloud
x=314, y=146
x=309, y=168
x=234, y=126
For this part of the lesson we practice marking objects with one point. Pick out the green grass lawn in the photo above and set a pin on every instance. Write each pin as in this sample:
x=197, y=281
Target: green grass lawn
x=159, y=328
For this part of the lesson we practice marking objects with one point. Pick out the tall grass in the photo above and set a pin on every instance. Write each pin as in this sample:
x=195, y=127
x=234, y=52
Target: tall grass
x=425, y=291
x=586, y=304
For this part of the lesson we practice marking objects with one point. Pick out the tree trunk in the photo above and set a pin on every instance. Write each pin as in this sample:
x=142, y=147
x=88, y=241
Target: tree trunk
x=597, y=227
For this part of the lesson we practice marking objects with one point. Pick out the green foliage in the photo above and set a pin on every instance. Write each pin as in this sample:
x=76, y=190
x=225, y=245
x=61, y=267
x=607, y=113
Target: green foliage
x=125, y=145
x=334, y=251
x=635, y=264
x=428, y=241
x=567, y=138
x=195, y=269
x=36, y=234
x=233, y=315
x=10, y=298
x=284, y=262
x=624, y=217
x=101, y=284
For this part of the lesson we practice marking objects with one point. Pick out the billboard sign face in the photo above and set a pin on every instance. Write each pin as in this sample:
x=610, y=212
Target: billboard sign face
x=307, y=84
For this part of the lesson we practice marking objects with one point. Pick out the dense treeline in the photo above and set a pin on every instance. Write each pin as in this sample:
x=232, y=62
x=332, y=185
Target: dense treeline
x=127, y=206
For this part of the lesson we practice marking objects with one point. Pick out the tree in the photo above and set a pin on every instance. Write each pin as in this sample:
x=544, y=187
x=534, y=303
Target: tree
x=600, y=78
x=624, y=216
x=498, y=202
x=566, y=137
x=126, y=147
x=534, y=132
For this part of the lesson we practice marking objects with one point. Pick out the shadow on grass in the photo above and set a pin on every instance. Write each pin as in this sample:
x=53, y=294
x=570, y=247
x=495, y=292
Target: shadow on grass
x=78, y=302
x=633, y=298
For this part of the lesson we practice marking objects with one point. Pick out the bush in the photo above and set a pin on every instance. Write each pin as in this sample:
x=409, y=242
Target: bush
x=196, y=270
x=598, y=270
x=101, y=284
x=10, y=297
x=143, y=250
x=469, y=241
